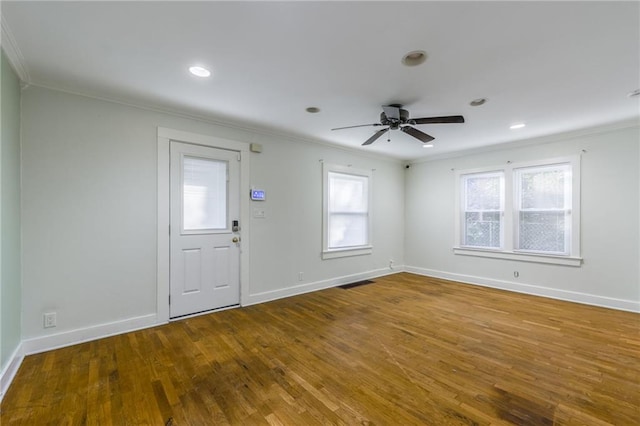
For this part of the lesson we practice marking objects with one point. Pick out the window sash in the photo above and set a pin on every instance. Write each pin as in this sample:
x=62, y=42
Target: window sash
x=348, y=230
x=544, y=226
x=487, y=230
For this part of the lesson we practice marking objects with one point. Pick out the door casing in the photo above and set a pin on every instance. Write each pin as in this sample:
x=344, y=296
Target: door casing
x=165, y=136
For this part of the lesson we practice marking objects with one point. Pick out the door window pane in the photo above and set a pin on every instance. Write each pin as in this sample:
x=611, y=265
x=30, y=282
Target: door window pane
x=204, y=194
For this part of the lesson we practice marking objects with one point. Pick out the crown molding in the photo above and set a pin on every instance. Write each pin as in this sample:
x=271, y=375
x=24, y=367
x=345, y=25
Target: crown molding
x=520, y=143
x=10, y=48
x=210, y=119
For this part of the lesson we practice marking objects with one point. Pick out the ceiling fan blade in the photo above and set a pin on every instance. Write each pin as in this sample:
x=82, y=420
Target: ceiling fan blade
x=417, y=134
x=438, y=120
x=375, y=136
x=392, y=112
x=359, y=125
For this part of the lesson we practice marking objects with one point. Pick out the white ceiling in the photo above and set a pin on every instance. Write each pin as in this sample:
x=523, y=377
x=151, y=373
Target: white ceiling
x=557, y=66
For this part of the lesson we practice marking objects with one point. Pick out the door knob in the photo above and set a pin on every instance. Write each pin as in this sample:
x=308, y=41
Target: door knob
x=235, y=239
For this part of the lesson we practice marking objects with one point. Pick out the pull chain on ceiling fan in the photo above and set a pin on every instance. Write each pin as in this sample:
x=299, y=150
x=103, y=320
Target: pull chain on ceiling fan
x=397, y=118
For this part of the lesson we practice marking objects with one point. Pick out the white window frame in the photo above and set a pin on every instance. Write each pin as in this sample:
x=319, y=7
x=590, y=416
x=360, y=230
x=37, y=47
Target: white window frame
x=510, y=219
x=332, y=253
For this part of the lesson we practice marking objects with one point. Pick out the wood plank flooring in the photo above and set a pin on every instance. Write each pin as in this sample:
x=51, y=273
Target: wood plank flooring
x=404, y=350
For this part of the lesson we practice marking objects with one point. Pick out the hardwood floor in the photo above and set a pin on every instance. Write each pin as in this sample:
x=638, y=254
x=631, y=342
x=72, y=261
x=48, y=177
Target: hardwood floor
x=403, y=350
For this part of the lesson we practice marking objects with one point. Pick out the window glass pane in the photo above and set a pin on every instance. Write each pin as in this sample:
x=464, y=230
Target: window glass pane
x=482, y=192
x=204, y=194
x=543, y=188
x=348, y=230
x=348, y=193
x=542, y=231
x=482, y=229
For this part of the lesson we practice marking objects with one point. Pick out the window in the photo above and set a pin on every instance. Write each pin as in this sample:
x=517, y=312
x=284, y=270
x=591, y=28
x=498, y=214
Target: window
x=483, y=205
x=543, y=209
x=347, y=219
x=521, y=211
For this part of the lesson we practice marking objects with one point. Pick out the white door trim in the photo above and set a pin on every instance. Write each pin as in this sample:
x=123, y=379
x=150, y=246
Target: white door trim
x=165, y=136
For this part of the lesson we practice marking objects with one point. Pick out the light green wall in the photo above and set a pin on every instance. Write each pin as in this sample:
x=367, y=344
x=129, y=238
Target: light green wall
x=10, y=224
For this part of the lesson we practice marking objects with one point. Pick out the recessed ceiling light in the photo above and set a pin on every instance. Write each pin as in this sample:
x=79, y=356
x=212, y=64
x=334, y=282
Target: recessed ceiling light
x=634, y=93
x=199, y=71
x=428, y=145
x=517, y=126
x=414, y=58
x=478, y=102
x=313, y=110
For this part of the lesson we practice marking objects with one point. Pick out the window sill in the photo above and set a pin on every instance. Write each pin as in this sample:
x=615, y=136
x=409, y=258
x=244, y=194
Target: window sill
x=346, y=252
x=523, y=257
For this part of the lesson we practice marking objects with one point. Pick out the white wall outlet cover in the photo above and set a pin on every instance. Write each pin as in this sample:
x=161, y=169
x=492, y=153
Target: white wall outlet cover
x=49, y=319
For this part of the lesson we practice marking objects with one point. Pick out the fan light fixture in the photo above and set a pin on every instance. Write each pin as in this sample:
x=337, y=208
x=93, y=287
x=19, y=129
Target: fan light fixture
x=517, y=126
x=199, y=71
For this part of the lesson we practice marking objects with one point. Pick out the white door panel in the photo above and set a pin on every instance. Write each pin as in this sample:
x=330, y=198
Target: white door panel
x=205, y=260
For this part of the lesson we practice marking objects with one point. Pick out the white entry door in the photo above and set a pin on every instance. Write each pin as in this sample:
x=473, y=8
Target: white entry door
x=205, y=246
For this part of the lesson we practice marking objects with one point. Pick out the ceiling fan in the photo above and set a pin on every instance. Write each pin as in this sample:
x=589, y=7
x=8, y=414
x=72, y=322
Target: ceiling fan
x=396, y=118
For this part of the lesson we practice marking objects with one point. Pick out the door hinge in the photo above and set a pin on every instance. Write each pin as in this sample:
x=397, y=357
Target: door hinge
x=239, y=156
x=169, y=229
x=169, y=299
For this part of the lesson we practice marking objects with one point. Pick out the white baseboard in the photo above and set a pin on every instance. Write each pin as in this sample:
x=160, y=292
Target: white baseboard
x=9, y=372
x=67, y=338
x=553, y=293
x=268, y=296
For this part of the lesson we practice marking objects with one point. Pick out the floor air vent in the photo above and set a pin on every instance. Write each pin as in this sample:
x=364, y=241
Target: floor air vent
x=356, y=284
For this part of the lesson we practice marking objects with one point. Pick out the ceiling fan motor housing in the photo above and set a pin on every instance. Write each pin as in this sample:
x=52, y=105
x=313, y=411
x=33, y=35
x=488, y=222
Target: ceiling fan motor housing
x=394, y=123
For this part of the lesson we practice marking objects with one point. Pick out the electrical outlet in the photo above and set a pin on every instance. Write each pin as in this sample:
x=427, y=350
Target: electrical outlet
x=50, y=320
x=516, y=274
x=300, y=276
x=390, y=263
